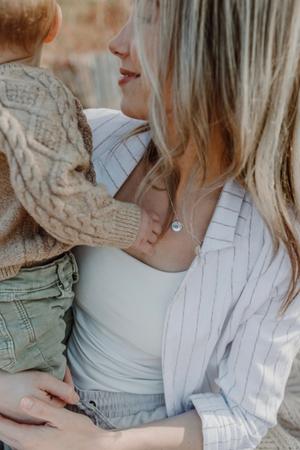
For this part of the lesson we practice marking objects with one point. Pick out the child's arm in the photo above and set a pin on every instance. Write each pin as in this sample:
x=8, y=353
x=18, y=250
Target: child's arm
x=55, y=190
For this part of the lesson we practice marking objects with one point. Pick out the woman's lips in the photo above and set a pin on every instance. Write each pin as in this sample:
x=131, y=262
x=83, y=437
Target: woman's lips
x=127, y=76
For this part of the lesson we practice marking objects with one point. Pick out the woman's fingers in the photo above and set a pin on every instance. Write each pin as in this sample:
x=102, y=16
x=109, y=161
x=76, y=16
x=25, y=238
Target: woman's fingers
x=59, y=389
x=43, y=411
x=62, y=430
x=54, y=401
x=11, y=433
x=68, y=377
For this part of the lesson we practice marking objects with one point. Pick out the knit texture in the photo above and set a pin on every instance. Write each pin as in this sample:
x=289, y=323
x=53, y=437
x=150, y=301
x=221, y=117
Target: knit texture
x=286, y=435
x=48, y=199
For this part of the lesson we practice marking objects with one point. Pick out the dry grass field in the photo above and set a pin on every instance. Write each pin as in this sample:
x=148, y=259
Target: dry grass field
x=88, y=26
x=79, y=55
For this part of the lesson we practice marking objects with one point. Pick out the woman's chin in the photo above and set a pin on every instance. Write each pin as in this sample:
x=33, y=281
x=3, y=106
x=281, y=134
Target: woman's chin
x=133, y=111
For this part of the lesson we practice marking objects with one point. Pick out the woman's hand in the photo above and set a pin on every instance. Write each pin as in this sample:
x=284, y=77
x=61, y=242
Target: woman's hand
x=64, y=430
x=13, y=387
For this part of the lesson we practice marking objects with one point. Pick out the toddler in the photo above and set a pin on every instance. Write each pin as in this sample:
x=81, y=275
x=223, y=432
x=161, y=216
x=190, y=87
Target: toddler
x=48, y=199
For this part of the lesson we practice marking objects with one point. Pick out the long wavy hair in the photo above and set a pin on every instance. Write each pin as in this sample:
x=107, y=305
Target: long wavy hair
x=235, y=63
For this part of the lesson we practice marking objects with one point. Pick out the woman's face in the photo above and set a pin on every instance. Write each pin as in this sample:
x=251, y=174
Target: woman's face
x=134, y=86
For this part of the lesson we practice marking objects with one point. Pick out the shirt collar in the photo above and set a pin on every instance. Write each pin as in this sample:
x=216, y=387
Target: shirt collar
x=221, y=232
x=222, y=229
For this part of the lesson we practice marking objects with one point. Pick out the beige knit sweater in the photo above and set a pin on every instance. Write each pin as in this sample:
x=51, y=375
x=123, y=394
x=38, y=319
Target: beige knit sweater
x=48, y=202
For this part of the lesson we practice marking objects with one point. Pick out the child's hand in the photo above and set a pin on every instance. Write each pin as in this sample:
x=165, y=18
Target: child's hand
x=149, y=232
x=32, y=383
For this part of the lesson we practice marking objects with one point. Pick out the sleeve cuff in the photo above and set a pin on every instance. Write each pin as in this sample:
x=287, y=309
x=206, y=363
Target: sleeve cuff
x=126, y=225
x=226, y=426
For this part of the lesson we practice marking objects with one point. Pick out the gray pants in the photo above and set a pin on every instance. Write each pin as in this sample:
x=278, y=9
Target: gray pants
x=118, y=410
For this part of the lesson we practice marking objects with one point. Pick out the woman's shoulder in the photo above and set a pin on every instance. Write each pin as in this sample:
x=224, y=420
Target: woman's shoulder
x=112, y=130
x=116, y=150
x=100, y=115
x=107, y=123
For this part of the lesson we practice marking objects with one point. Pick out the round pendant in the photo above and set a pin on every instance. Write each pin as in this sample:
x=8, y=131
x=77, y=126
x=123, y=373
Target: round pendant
x=176, y=226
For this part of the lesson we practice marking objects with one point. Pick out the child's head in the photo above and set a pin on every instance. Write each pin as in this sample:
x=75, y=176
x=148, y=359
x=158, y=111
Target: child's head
x=26, y=24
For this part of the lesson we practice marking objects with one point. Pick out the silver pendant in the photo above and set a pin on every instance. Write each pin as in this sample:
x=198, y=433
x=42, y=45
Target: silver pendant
x=176, y=226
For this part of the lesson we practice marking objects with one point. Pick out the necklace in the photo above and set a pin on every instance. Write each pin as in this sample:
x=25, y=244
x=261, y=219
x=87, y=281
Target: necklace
x=177, y=226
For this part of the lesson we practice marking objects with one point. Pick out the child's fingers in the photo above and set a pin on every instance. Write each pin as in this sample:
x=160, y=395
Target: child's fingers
x=147, y=248
x=156, y=221
x=152, y=239
x=154, y=216
x=157, y=228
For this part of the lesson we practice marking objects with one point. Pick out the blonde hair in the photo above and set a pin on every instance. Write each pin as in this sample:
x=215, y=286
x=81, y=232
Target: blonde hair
x=25, y=23
x=237, y=63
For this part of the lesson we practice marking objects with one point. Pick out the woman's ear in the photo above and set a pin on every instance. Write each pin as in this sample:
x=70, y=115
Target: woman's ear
x=55, y=26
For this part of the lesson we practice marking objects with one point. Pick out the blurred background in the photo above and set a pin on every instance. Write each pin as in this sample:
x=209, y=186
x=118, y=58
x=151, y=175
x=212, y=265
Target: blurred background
x=80, y=54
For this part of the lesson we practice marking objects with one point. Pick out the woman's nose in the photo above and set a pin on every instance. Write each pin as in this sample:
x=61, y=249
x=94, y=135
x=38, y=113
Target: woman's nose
x=119, y=45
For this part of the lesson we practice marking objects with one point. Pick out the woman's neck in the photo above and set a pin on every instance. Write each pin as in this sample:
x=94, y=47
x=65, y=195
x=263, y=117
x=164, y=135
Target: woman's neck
x=215, y=159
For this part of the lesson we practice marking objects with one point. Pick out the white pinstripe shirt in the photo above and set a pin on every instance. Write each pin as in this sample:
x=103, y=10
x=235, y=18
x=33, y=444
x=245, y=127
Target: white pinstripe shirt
x=225, y=352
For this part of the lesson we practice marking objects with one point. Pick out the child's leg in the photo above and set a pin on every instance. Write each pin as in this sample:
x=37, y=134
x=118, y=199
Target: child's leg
x=33, y=306
x=36, y=317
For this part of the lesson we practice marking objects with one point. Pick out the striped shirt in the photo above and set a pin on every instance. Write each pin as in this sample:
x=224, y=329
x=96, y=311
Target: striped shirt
x=225, y=351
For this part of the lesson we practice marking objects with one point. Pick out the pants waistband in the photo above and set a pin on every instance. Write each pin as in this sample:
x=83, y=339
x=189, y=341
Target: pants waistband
x=40, y=277
x=121, y=403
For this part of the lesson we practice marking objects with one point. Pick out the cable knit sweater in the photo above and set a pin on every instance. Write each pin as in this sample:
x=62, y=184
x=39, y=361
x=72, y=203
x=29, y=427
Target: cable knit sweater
x=48, y=201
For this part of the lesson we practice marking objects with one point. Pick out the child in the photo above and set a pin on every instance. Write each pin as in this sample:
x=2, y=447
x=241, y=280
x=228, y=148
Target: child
x=48, y=202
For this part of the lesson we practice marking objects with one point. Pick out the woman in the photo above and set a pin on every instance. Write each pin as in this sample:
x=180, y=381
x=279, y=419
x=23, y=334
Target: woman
x=218, y=84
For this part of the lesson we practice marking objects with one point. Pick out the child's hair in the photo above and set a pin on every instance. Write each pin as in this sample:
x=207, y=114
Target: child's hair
x=25, y=23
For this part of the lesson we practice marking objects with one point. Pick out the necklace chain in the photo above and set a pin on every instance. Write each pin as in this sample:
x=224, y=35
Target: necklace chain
x=177, y=226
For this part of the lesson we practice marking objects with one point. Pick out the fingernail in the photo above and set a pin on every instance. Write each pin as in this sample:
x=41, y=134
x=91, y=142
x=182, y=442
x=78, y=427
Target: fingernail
x=26, y=403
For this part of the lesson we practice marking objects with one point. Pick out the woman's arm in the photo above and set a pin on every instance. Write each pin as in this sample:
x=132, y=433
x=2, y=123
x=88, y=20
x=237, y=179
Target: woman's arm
x=72, y=431
x=181, y=432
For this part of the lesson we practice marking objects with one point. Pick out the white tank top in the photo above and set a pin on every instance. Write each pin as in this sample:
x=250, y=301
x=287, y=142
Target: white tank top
x=119, y=311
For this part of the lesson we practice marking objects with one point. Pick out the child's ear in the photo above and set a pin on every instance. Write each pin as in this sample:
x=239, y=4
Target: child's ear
x=55, y=26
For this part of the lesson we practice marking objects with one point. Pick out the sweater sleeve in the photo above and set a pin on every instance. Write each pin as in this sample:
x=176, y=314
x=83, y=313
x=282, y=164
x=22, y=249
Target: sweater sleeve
x=264, y=347
x=56, y=190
